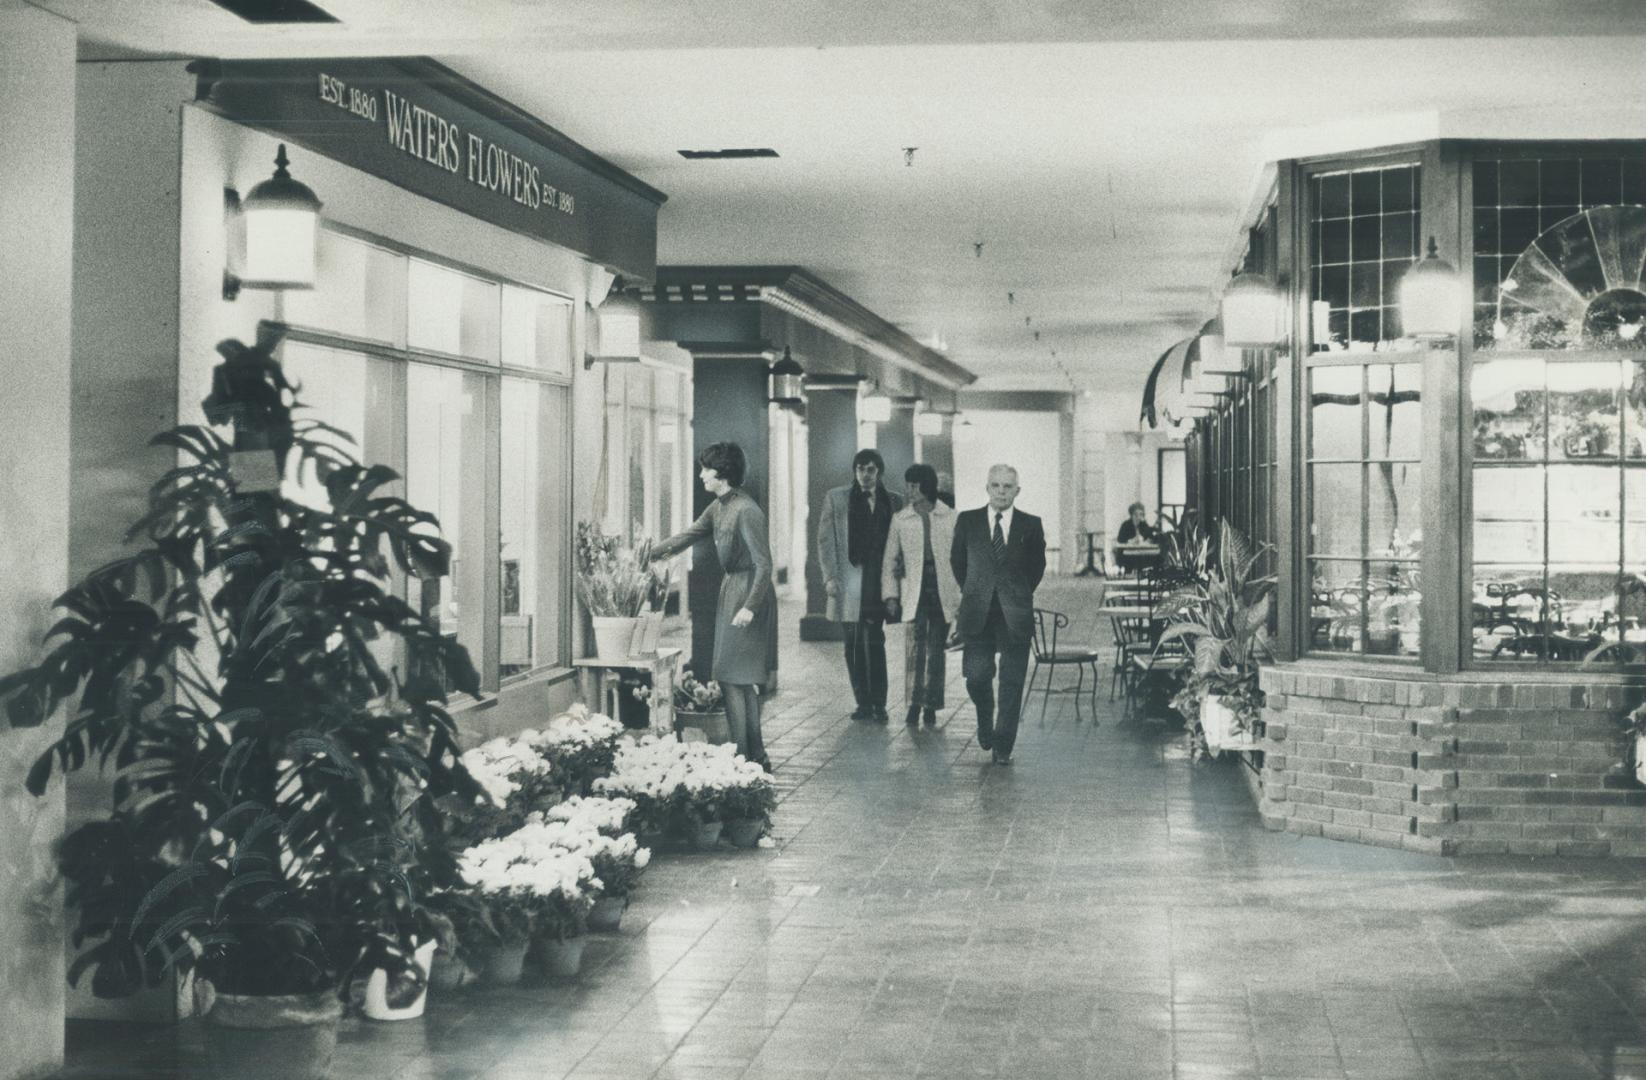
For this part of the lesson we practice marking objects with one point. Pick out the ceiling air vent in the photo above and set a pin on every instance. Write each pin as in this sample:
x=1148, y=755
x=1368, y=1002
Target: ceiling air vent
x=276, y=11
x=723, y=155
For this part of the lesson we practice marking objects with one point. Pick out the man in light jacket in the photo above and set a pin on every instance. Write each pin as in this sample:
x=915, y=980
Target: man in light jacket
x=851, y=538
x=917, y=547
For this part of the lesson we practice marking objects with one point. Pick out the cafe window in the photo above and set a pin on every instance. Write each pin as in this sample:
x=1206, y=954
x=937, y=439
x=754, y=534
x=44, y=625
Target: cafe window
x=1363, y=234
x=1364, y=508
x=387, y=347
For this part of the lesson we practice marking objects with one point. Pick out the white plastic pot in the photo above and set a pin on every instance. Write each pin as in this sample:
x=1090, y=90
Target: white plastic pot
x=1217, y=720
x=613, y=636
x=377, y=990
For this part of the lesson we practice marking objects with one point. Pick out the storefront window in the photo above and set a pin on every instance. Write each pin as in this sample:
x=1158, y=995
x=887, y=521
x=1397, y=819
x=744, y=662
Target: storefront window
x=452, y=312
x=445, y=470
x=359, y=292
x=1365, y=508
x=536, y=331
x=1363, y=234
x=532, y=527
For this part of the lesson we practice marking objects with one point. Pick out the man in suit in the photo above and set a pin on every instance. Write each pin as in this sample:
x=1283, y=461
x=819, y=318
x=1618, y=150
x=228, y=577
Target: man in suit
x=999, y=557
x=851, y=541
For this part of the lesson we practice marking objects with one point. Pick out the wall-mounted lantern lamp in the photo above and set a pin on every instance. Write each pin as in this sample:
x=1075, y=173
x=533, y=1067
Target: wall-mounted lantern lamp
x=1430, y=297
x=1251, y=312
x=281, y=221
x=875, y=408
x=928, y=424
x=616, y=327
x=787, y=385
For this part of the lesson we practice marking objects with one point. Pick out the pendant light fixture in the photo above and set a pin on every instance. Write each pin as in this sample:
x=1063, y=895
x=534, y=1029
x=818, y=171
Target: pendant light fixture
x=1430, y=300
x=875, y=408
x=787, y=382
x=617, y=329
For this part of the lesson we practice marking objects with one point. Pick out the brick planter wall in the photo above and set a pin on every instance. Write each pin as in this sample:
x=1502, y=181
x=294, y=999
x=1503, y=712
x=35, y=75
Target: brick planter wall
x=1451, y=767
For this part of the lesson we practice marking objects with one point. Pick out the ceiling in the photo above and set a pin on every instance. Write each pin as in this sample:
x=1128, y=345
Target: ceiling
x=1104, y=154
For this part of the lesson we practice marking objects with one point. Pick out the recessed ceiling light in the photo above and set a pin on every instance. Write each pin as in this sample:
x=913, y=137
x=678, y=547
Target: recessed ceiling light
x=276, y=11
x=737, y=152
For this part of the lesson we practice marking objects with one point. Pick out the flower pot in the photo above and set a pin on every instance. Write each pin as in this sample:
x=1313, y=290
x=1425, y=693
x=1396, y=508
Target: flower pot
x=274, y=1036
x=712, y=723
x=613, y=636
x=1218, y=720
x=447, y=972
x=503, y=963
x=607, y=913
x=744, y=832
x=705, y=835
x=562, y=959
x=378, y=1006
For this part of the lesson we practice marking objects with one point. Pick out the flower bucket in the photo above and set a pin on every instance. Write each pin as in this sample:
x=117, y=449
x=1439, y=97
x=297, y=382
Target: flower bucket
x=378, y=1007
x=607, y=913
x=447, y=972
x=613, y=636
x=712, y=724
x=744, y=832
x=1218, y=721
x=502, y=964
x=705, y=835
x=1640, y=758
x=562, y=959
x=273, y=1036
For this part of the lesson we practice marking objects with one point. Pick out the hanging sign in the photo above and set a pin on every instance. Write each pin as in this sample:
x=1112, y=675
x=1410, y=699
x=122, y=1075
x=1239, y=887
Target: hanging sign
x=420, y=125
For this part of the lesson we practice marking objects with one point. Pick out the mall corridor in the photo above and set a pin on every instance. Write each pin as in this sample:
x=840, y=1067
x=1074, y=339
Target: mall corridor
x=1100, y=908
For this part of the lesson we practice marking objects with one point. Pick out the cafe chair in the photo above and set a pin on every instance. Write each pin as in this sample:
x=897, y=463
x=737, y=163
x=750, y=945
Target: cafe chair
x=1050, y=653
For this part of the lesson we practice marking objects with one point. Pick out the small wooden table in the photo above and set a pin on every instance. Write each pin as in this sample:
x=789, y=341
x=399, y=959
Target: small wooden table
x=600, y=679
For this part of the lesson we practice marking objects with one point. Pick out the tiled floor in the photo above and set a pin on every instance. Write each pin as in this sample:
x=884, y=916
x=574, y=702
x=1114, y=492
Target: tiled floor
x=1100, y=908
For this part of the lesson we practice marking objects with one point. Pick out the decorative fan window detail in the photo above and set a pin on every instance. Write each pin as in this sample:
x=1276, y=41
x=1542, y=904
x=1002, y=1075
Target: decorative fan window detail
x=1578, y=285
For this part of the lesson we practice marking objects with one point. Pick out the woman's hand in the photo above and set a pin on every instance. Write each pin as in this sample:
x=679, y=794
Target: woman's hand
x=743, y=617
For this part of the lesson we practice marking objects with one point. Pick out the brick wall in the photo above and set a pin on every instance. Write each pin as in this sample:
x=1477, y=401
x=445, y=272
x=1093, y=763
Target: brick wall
x=1451, y=767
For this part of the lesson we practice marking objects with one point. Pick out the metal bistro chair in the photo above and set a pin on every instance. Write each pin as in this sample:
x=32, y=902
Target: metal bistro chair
x=1048, y=651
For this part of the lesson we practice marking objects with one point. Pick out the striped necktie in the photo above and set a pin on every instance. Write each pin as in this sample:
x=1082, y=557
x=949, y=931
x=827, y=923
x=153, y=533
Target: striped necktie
x=999, y=540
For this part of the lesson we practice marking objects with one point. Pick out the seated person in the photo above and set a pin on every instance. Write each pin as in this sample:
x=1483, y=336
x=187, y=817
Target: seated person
x=1136, y=530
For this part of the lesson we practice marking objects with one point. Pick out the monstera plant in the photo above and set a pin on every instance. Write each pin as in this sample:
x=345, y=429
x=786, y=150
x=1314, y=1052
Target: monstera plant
x=269, y=707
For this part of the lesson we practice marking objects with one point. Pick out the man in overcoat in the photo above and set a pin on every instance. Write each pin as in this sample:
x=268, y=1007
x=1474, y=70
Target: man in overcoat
x=851, y=542
x=999, y=557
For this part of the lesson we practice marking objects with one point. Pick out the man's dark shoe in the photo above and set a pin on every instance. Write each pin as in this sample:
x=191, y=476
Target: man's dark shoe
x=984, y=742
x=880, y=716
x=862, y=712
x=930, y=717
x=913, y=717
x=1001, y=757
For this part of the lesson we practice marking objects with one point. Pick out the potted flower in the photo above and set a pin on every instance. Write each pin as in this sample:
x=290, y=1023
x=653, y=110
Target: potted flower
x=617, y=857
x=533, y=884
x=1635, y=727
x=617, y=586
x=273, y=781
x=747, y=806
x=515, y=779
x=699, y=707
x=1223, y=621
x=578, y=745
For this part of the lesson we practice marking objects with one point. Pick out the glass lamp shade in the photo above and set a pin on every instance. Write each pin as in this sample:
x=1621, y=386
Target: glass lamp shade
x=618, y=329
x=963, y=430
x=282, y=218
x=1197, y=399
x=928, y=423
x=1251, y=312
x=787, y=380
x=1215, y=359
x=1430, y=298
x=875, y=409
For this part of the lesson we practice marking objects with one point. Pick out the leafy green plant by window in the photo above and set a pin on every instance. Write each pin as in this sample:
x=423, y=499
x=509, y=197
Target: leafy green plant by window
x=273, y=780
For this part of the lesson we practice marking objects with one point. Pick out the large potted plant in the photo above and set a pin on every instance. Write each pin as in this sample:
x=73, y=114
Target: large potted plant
x=272, y=778
x=620, y=590
x=1223, y=622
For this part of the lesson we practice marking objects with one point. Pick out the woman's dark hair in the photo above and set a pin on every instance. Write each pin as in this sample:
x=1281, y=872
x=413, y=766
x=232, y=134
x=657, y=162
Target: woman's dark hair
x=869, y=457
x=923, y=477
x=726, y=459
x=1136, y=506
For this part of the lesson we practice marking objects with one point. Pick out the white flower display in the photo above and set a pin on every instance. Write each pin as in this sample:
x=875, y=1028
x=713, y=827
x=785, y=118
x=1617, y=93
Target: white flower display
x=575, y=729
x=655, y=767
x=530, y=862
x=496, y=763
x=599, y=814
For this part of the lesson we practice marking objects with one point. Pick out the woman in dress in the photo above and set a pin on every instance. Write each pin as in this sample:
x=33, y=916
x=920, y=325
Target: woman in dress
x=744, y=614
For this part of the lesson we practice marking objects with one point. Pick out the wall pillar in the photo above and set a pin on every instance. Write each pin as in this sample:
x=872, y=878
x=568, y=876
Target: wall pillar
x=895, y=441
x=37, y=103
x=729, y=405
x=938, y=452
x=831, y=440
